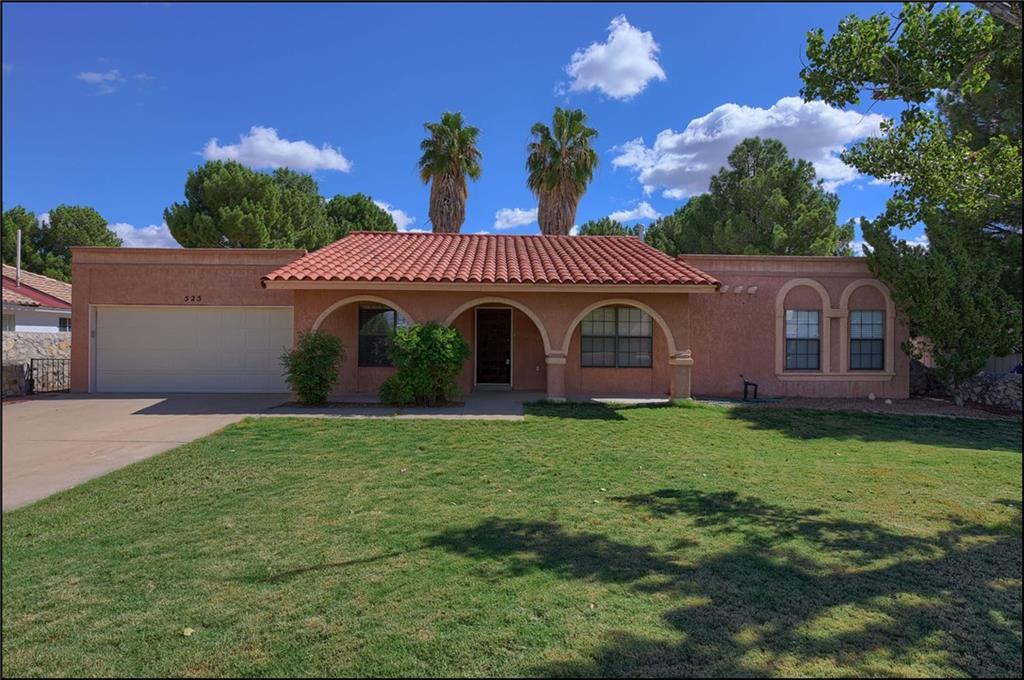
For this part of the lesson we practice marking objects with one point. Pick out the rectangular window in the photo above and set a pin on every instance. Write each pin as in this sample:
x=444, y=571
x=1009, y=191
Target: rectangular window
x=867, y=340
x=9, y=322
x=616, y=337
x=803, y=339
x=376, y=324
x=64, y=324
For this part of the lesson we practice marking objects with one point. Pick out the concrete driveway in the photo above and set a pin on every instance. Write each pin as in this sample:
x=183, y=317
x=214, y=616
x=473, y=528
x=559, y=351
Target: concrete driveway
x=54, y=442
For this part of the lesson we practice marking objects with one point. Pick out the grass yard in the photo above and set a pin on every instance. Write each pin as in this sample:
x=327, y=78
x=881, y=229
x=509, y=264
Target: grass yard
x=586, y=540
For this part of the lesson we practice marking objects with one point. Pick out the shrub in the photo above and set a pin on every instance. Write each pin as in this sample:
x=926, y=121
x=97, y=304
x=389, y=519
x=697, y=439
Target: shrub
x=311, y=369
x=427, y=358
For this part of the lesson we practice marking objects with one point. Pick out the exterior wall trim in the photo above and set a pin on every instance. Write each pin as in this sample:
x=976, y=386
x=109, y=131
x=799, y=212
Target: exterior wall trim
x=780, y=324
x=844, y=327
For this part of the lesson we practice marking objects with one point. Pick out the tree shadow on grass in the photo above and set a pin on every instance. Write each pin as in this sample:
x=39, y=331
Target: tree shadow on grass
x=964, y=433
x=943, y=604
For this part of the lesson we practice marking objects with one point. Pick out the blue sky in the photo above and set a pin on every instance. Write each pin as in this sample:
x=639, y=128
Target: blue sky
x=111, y=105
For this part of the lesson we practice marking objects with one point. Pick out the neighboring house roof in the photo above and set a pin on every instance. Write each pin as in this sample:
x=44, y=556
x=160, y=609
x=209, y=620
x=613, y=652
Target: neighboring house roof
x=12, y=297
x=480, y=258
x=52, y=288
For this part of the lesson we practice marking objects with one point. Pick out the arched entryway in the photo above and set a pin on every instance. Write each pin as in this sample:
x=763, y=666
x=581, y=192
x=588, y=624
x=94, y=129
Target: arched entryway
x=363, y=323
x=509, y=345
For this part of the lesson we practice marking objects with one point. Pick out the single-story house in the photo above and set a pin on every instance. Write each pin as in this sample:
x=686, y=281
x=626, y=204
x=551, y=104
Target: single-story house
x=33, y=303
x=571, y=316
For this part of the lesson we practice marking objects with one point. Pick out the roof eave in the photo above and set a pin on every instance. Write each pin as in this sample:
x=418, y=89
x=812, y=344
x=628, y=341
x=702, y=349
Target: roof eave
x=292, y=284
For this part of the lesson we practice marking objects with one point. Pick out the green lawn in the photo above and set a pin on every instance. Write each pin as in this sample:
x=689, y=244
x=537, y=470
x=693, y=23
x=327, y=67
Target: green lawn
x=585, y=540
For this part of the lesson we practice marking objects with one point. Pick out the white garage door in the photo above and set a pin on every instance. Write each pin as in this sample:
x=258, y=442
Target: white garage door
x=191, y=349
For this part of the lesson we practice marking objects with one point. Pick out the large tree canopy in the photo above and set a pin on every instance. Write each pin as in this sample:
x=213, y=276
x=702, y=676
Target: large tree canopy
x=764, y=203
x=953, y=157
x=357, y=212
x=606, y=226
x=227, y=205
x=46, y=245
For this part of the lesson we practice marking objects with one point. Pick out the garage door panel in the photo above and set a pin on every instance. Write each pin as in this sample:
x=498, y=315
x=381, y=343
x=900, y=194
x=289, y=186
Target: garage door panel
x=208, y=349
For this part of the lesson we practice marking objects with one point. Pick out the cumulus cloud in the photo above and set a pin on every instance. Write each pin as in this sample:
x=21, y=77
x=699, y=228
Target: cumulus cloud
x=506, y=218
x=153, y=236
x=621, y=67
x=643, y=211
x=682, y=163
x=262, y=148
x=103, y=81
x=402, y=219
x=575, y=231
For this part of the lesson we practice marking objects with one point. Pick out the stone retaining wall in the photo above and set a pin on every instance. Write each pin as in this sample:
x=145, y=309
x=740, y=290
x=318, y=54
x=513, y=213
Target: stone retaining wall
x=997, y=392
x=18, y=348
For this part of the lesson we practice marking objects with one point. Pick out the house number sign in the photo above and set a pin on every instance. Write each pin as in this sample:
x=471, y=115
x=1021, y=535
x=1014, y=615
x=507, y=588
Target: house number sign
x=193, y=298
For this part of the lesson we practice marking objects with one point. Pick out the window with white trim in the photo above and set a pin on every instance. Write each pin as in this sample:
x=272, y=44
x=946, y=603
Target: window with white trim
x=64, y=324
x=867, y=340
x=803, y=339
x=616, y=337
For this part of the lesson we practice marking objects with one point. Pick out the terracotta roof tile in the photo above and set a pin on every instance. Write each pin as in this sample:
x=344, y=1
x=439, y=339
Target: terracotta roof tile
x=14, y=298
x=486, y=258
x=44, y=284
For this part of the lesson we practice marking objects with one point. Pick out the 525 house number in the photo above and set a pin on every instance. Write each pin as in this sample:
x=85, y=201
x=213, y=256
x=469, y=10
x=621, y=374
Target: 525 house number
x=193, y=298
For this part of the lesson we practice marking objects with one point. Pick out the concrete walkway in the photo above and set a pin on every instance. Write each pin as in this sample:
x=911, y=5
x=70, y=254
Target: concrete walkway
x=55, y=442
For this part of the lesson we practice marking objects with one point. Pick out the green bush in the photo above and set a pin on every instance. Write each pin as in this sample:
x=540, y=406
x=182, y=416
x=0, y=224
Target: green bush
x=311, y=369
x=427, y=358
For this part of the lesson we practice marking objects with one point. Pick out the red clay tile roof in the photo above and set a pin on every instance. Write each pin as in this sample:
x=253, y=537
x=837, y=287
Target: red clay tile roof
x=44, y=284
x=479, y=258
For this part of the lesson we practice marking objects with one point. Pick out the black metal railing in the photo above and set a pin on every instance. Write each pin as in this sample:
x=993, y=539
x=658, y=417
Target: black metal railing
x=48, y=375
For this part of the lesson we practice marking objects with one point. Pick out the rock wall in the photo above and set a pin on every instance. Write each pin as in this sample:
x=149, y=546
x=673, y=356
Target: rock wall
x=18, y=348
x=995, y=392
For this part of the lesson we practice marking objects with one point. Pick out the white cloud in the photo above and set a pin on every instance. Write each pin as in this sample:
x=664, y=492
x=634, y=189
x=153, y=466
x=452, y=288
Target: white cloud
x=506, y=218
x=143, y=76
x=153, y=236
x=682, y=163
x=104, y=81
x=43, y=218
x=620, y=67
x=862, y=247
x=575, y=231
x=643, y=211
x=402, y=219
x=262, y=148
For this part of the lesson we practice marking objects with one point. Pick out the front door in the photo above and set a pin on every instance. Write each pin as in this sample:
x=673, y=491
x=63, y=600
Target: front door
x=494, y=346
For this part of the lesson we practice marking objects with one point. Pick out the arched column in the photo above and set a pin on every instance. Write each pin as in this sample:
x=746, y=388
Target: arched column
x=491, y=300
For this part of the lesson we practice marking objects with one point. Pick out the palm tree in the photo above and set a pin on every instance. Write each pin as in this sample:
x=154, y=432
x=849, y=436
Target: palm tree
x=561, y=165
x=449, y=155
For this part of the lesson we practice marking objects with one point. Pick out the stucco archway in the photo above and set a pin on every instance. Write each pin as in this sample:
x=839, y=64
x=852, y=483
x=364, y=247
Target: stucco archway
x=622, y=302
x=360, y=298
x=465, y=306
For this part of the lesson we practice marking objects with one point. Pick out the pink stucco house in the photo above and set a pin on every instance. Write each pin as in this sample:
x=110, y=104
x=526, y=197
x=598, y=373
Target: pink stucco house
x=571, y=316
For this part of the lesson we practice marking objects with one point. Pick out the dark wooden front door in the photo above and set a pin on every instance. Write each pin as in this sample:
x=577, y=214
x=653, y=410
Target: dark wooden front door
x=494, y=346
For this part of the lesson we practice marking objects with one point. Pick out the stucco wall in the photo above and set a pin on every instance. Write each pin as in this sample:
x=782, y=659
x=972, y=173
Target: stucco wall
x=736, y=330
x=160, y=276
x=33, y=321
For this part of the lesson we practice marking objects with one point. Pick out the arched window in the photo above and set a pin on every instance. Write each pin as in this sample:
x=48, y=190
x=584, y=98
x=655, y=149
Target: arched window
x=376, y=324
x=619, y=337
x=803, y=339
x=867, y=339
